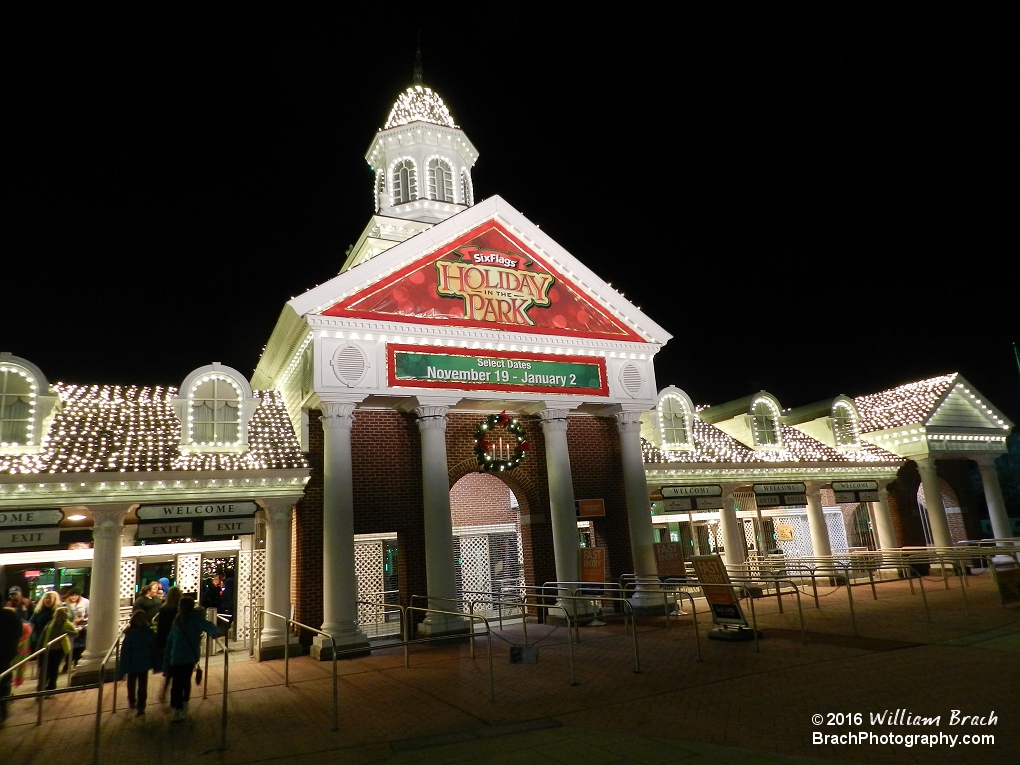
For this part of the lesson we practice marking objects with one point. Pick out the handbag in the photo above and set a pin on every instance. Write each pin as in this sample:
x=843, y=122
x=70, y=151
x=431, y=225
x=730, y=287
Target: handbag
x=198, y=675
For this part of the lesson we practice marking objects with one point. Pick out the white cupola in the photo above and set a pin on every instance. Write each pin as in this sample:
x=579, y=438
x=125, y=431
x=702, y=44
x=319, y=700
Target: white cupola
x=422, y=160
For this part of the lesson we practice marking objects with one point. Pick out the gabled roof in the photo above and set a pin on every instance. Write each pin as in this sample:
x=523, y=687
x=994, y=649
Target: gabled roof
x=712, y=445
x=131, y=429
x=341, y=294
x=947, y=401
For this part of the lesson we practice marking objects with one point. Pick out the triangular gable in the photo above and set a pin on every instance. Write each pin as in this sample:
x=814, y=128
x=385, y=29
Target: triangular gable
x=486, y=278
x=965, y=408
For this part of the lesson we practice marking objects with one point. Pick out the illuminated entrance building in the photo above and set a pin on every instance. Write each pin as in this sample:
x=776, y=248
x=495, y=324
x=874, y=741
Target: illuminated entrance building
x=464, y=407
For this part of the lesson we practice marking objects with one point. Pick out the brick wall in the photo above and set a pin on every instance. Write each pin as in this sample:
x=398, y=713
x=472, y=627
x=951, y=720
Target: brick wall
x=386, y=455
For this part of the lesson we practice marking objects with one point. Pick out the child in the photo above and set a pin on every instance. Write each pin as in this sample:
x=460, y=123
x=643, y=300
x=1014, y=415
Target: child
x=60, y=624
x=137, y=656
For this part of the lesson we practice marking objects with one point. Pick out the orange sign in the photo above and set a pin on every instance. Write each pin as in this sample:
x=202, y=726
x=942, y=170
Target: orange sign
x=715, y=582
x=669, y=559
x=593, y=564
x=590, y=508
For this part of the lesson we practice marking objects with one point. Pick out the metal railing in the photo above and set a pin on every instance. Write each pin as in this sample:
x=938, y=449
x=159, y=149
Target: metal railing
x=40, y=695
x=286, y=653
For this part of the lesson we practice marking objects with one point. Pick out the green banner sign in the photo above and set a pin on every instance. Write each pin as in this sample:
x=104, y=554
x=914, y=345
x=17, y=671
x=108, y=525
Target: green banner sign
x=520, y=372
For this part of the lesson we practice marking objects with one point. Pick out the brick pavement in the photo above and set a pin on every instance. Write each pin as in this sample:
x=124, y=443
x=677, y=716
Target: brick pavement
x=738, y=704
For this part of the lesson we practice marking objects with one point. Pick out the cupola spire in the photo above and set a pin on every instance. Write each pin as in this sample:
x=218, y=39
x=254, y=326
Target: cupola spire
x=419, y=78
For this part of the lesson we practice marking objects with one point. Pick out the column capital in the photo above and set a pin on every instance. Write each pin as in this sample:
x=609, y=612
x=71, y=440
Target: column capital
x=337, y=415
x=985, y=461
x=553, y=419
x=925, y=463
x=109, y=516
x=431, y=417
x=278, y=508
x=628, y=422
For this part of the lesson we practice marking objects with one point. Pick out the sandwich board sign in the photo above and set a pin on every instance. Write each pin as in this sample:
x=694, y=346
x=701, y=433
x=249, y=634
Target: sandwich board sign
x=715, y=583
x=669, y=559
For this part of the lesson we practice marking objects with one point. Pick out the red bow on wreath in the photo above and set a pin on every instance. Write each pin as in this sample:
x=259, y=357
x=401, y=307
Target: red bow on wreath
x=483, y=445
x=524, y=446
x=504, y=418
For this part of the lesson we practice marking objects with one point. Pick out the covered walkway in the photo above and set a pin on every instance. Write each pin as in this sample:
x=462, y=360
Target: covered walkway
x=737, y=705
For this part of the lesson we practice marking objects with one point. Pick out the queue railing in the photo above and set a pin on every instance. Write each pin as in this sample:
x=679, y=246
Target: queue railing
x=286, y=653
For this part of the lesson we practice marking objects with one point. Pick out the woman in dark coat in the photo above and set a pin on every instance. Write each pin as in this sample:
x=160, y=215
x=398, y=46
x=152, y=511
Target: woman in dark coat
x=44, y=610
x=148, y=600
x=137, y=657
x=183, y=648
x=164, y=621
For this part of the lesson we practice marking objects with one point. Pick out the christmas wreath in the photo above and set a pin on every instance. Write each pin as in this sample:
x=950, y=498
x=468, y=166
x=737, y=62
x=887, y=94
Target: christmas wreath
x=504, y=454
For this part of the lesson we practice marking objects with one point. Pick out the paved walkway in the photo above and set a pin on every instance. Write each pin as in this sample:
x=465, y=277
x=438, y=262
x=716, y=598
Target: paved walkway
x=738, y=704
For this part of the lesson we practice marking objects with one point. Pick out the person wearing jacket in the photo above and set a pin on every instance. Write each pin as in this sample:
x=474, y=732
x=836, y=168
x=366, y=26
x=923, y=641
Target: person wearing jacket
x=60, y=623
x=164, y=621
x=48, y=605
x=137, y=657
x=10, y=636
x=183, y=648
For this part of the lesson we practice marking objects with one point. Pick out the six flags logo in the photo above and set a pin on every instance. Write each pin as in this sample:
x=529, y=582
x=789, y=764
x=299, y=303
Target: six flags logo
x=493, y=285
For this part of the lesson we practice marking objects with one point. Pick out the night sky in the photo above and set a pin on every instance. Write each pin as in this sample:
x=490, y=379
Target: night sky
x=810, y=204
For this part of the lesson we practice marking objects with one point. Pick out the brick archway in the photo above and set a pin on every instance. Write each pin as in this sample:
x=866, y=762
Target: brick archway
x=528, y=500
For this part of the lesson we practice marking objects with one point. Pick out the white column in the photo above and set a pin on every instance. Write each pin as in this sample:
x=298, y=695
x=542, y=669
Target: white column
x=562, y=511
x=339, y=581
x=279, y=512
x=816, y=521
x=104, y=592
x=440, y=576
x=883, y=519
x=937, y=518
x=993, y=498
x=732, y=535
x=639, y=516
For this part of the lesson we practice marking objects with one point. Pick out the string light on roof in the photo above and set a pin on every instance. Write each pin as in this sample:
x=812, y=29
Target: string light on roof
x=419, y=104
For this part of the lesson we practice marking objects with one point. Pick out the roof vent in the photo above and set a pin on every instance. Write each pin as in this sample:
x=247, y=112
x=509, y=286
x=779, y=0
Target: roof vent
x=349, y=365
x=631, y=379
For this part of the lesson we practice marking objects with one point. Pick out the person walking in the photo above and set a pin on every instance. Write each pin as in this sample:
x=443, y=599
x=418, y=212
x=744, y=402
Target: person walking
x=60, y=624
x=47, y=606
x=183, y=648
x=164, y=621
x=79, y=605
x=137, y=657
x=10, y=637
x=148, y=600
x=22, y=606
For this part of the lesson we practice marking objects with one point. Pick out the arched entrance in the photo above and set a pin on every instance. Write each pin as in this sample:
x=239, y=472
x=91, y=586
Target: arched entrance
x=488, y=545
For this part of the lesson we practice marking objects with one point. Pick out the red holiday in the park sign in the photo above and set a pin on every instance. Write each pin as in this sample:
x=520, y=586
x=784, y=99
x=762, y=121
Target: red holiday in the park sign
x=488, y=279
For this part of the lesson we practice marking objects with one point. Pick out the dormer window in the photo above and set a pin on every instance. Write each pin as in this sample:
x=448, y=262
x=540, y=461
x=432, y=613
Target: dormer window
x=405, y=182
x=674, y=422
x=845, y=428
x=440, y=180
x=765, y=423
x=27, y=405
x=17, y=406
x=214, y=407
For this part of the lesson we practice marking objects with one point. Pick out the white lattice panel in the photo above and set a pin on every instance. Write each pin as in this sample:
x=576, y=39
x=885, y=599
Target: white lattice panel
x=189, y=570
x=837, y=531
x=251, y=577
x=801, y=542
x=474, y=564
x=368, y=566
x=128, y=572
